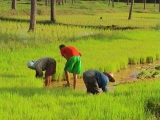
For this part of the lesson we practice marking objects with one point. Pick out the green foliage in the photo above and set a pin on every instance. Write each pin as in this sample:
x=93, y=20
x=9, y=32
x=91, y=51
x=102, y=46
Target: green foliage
x=149, y=59
x=148, y=74
x=157, y=67
x=157, y=27
x=144, y=74
x=34, y=102
x=154, y=107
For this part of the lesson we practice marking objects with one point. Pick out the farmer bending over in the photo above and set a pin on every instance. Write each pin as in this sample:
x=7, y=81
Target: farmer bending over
x=73, y=64
x=94, y=80
x=44, y=64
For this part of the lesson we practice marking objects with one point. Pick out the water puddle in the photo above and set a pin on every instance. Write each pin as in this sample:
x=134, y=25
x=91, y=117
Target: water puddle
x=124, y=76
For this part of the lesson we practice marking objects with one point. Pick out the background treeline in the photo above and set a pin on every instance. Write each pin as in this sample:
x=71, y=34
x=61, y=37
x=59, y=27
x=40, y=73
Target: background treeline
x=136, y=1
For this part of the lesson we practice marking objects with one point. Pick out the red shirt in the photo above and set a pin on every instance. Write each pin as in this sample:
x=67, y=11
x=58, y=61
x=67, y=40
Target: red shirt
x=69, y=51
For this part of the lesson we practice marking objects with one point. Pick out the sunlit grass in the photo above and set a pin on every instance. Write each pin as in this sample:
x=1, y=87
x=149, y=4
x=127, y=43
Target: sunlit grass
x=126, y=102
x=90, y=14
x=112, y=49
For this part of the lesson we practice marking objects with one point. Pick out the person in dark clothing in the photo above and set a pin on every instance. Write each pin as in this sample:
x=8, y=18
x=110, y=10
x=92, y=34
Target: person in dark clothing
x=44, y=64
x=94, y=80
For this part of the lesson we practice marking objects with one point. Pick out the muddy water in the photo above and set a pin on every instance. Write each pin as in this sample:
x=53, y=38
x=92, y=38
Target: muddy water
x=127, y=75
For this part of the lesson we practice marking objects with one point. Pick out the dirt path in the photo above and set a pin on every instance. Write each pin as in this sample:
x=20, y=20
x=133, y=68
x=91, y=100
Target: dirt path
x=127, y=75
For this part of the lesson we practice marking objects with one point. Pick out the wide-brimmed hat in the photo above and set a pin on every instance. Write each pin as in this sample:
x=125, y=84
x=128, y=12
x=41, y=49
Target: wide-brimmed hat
x=110, y=76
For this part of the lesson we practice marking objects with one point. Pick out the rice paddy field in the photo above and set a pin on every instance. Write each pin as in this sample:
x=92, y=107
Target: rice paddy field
x=107, y=40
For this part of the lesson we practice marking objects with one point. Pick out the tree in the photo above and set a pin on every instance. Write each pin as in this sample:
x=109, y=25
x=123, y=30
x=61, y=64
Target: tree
x=33, y=15
x=65, y=1
x=127, y=2
x=109, y=2
x=144, y=4
x=13, y=4
x=112, y=3
x=46, y=2
x=130, y=11
x=72, y=1
x=53, y=11
x=154, y=3
x=159, y=5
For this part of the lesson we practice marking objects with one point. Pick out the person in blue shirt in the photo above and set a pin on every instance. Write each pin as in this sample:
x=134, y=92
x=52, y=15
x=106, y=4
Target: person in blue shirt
x=94, y=80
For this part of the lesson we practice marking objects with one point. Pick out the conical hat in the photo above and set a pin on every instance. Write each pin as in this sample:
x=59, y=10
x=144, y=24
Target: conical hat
x=110, y=76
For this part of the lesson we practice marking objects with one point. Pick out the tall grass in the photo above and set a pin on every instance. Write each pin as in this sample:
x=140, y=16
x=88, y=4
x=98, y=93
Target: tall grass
x=113, y=50
x=128, y=101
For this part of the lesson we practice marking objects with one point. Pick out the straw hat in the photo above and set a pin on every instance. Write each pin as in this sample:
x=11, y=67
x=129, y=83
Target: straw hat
x=110, y=76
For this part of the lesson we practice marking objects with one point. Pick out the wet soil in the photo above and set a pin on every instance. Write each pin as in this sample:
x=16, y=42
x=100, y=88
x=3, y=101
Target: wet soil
x=127, y=75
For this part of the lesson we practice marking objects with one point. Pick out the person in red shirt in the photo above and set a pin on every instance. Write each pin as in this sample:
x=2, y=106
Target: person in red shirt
x=73, y=64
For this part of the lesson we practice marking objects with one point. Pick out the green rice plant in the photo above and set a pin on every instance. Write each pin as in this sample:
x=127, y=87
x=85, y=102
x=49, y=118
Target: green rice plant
x=149, y=59
x=157, y=67
x=156, y=74
x=142, y=60
x=89, y=16
x=148, y=74
x=132, y=61
x=153, y=106
x=48, y=101
x=144, y=74
x=157, y=56
x=157, y=27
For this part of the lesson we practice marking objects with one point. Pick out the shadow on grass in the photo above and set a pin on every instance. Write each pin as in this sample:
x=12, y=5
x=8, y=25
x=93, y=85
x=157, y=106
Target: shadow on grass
x=153, y=107
x=29, y=3
x=11, y=76
x=31, y=91
x=112, y=27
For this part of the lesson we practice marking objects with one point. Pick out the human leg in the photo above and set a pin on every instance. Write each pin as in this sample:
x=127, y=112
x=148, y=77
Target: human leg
x=74, y=80
x=85, y=79
x=73, y=65
x=47, y=80
x=93, y=86
x=67, y=77
x=48, y=75
x=91, y=83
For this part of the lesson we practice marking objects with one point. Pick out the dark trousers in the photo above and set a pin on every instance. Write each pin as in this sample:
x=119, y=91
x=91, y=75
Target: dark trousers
x=91, y=83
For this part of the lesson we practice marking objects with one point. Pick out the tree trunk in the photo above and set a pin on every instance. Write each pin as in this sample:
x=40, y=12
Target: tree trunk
x=127, y=2
x=53, y=11
x=46, y=2
x=33, y=15
x=109, y=1
x=13, y=4
x=112, y=3
x=130, y=11
x=159, y=5
x=144, y=4
x=154, y=3
x=62, y=2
